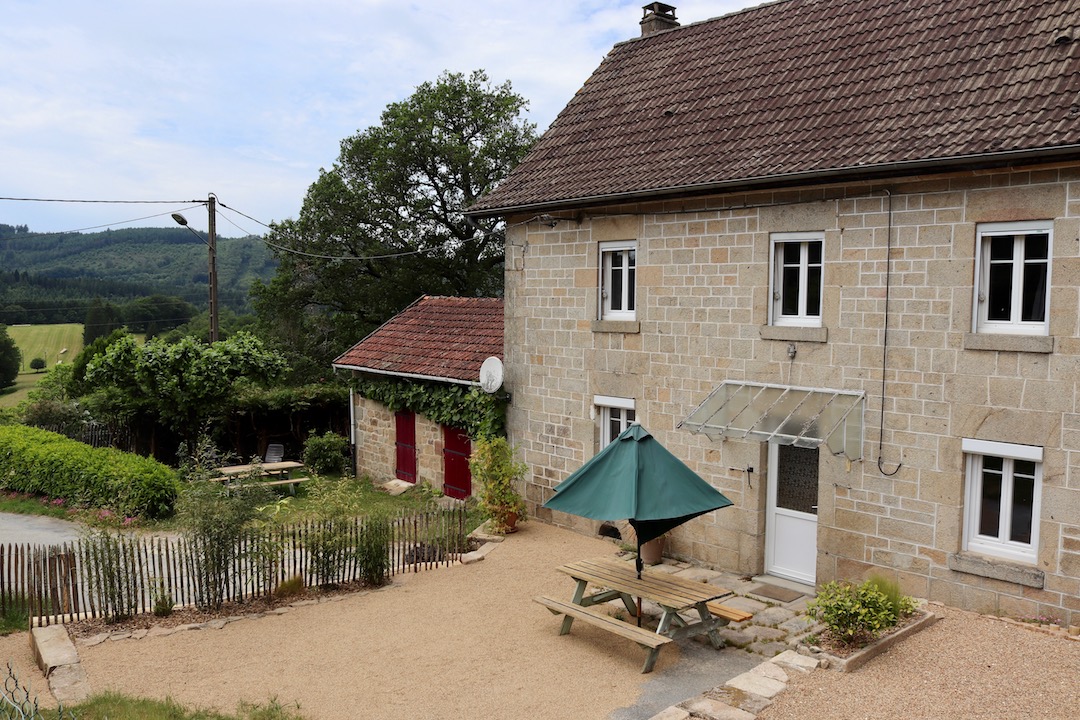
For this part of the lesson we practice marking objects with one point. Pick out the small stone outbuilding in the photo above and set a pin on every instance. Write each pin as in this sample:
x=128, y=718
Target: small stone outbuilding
x=435, y=342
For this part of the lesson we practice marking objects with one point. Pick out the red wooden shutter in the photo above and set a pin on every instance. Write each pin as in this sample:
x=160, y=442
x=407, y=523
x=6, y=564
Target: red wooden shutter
x=405, y=444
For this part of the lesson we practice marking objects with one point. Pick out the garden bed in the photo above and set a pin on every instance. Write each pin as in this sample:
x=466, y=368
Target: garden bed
x=850, y=658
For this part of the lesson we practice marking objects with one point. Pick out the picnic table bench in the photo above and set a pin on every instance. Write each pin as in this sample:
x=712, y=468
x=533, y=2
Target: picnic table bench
x=269, y=475
x=642, y=636
x=618, y=580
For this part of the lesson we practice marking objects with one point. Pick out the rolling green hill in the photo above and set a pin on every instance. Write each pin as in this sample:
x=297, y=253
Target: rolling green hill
x=125, y=264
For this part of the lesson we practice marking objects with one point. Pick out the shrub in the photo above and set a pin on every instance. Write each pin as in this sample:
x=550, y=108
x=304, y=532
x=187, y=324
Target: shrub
x=213, y=522
x=162, y=599
x=900, y=605
x=373, y=551
x=37, y=364
x=45, y=463
x=853, y=614
x=493, y=465
x=289, y=588
x=112, y=578
x=326, y=453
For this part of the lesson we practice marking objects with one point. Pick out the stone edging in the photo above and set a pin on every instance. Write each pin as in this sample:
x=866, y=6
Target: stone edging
x=860, y=657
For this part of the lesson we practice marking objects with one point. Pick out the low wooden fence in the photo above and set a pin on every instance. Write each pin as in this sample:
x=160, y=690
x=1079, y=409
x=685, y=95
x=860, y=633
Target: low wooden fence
x=105, y=576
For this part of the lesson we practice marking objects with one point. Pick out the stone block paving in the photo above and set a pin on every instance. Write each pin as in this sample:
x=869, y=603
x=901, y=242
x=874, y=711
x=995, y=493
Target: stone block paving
x=774, y=632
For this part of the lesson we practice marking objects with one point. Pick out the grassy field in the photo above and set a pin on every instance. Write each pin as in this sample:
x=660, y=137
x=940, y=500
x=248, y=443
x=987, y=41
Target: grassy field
x=12, y=396
x=51, y=343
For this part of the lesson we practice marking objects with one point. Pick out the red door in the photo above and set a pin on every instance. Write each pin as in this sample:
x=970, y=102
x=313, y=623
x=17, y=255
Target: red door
x=457, y=480
x=405, y=444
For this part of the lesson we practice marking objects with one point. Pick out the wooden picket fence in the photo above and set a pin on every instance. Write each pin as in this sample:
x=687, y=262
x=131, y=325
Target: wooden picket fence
x=122, y=574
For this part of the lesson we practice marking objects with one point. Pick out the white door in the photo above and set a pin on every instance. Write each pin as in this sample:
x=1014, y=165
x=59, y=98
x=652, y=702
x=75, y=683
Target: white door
x=791, y=518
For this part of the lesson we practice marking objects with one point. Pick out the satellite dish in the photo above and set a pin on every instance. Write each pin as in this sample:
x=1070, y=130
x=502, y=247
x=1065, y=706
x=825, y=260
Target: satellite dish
x=491, y=374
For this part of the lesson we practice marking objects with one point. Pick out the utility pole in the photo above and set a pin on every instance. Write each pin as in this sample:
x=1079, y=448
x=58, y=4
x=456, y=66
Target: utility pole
x=211, y=243
x=211, y=207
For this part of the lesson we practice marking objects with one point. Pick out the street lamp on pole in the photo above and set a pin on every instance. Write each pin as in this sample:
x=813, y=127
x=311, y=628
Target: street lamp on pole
x=211, y=242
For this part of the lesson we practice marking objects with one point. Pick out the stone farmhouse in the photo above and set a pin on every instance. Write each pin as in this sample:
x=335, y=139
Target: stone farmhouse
x=436, y=341
x=828, y=253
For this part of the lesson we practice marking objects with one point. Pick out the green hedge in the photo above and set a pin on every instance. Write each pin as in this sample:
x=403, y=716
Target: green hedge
x=45, y=463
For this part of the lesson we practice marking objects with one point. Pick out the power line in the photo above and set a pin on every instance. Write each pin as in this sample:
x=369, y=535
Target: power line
x=312, y=255
x=28, y=235
x=105, y=202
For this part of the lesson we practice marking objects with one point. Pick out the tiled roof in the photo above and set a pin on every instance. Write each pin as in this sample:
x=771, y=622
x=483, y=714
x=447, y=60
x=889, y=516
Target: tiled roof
x=435, y=337
x=799, y=89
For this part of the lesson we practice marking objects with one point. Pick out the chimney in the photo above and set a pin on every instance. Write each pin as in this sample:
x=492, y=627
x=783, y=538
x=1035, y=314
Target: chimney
x=658, y=17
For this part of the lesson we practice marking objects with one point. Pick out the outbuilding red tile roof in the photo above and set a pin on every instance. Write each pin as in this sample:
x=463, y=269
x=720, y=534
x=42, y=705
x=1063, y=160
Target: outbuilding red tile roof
x=436, y=337
x=799, y=90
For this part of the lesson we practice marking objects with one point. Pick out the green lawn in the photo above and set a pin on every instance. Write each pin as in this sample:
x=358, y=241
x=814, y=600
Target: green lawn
x=15, y=394
x=51, y=343
x=114, y=706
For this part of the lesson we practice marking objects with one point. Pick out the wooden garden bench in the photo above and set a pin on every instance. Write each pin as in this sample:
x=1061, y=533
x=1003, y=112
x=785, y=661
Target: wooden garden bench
x=642, y=636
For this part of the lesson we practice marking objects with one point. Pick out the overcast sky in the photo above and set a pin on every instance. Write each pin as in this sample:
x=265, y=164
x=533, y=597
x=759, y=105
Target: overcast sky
x=155, y=100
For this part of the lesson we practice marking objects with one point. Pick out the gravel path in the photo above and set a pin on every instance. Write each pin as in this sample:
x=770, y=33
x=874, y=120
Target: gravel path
x=964, y=666
x=459, y=642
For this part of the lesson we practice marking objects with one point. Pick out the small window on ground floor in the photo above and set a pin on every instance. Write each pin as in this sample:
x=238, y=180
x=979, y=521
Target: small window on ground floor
x=1002, y=493
x=615, y=414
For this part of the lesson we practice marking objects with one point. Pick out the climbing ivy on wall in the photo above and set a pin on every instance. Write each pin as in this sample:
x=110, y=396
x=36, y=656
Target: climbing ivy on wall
x=468, y=408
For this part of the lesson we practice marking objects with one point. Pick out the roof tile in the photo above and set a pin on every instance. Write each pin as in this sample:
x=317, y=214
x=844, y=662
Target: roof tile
x=435, y=337
x=800, y=86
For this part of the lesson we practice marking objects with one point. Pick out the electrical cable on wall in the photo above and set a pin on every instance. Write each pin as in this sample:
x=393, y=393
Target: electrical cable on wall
x=885, y=340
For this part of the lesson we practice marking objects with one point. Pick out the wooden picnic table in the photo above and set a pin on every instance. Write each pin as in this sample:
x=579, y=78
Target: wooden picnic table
x=271, y=468
x=617, y=580
x=271, y=473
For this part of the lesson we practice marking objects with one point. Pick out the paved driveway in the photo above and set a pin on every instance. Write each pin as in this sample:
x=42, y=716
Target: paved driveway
x=36, y=530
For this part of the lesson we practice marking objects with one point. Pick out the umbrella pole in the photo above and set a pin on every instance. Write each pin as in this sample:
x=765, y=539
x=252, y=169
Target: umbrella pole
x=638, y=564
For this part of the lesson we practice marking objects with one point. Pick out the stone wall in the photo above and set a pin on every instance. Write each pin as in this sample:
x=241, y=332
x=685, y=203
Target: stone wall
x=376, y=454
x=702, y=318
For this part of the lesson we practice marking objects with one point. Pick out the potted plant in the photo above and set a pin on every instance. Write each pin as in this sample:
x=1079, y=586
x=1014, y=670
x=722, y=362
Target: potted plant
x=652, y=552
x=493, y=465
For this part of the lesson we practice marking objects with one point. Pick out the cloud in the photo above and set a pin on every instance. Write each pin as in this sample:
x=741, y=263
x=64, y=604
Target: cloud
x=145, y=99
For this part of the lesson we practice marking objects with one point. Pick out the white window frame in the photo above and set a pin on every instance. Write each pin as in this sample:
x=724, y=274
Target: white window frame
x=609, y=251
x=624, y=410
x=1015, y=326
x=998, y=546
x=803, y=318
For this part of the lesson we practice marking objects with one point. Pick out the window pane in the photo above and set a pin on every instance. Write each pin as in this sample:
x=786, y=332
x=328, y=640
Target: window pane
x=630, y=417
x=1036, y=246
x=1023, y=501
x=999, y=294
x=1034, y=300
x=792, y=253
x=813, y=291
x=797, y=479
x=1001, y=248
x=631, y=279
x=789, y=291
x=615, y=292
x=990, y=499
x=813, y=253
x=614, y=423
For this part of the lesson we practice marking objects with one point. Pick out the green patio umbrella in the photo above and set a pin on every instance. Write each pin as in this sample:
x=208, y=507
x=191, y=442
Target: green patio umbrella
x=636, y=478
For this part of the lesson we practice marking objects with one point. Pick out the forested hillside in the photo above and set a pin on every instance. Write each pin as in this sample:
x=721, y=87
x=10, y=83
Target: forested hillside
x=49, y=277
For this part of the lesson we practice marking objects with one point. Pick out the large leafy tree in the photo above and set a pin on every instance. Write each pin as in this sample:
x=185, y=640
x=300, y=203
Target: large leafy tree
x=186, y=384
x=10, y=359
x=385, y=224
